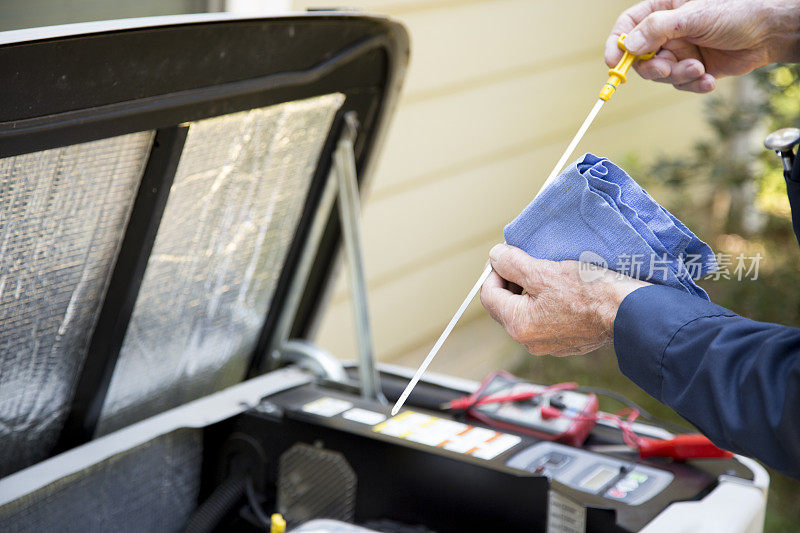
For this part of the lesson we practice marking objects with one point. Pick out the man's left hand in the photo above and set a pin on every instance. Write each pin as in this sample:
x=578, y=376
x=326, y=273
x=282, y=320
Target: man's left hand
x=558, y=308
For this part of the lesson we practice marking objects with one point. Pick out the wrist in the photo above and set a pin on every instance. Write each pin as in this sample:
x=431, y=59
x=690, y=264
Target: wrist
x=615, y=288
x=782, y=19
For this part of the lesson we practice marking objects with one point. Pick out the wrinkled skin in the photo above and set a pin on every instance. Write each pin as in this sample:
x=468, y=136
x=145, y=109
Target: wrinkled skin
x=545, y=305
x=558, y=313
x=703, y=40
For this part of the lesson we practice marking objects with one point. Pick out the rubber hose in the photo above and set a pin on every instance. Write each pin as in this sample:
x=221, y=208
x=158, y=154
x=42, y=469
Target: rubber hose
x=222, y=501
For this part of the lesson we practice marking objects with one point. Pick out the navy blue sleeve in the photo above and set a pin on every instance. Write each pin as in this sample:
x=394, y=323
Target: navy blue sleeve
x=735, y=379
x=793, y=192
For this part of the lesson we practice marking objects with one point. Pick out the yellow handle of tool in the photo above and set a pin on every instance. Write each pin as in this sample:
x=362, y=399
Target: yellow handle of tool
x=277, y=524
x=619, y=74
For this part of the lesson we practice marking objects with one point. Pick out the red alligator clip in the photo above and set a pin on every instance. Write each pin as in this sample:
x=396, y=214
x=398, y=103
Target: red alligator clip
x=681, y=448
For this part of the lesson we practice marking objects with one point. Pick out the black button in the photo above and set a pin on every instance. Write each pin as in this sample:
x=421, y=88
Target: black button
x=555, y=460
x=536, y=400
x=558, y=402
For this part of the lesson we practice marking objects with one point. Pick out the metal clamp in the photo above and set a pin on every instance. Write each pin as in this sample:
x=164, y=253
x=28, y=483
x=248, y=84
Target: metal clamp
x=783, y=142
x=311, y=357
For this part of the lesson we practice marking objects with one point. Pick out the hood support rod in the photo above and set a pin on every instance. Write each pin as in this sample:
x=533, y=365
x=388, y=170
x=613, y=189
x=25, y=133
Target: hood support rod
x=344, y=164
x=341, y=184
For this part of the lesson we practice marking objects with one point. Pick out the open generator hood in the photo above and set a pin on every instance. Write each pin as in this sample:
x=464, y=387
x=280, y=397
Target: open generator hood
x=158, y=179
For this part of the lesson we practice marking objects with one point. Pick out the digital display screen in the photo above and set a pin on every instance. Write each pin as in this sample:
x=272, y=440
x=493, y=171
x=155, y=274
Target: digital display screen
x=599, y=478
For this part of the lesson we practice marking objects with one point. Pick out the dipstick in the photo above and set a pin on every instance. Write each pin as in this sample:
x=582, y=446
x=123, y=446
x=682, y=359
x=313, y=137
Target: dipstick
x=488, y=270
x=617, y=76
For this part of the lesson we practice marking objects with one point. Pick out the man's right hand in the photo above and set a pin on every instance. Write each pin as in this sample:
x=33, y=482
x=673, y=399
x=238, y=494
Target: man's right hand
x=703, y=40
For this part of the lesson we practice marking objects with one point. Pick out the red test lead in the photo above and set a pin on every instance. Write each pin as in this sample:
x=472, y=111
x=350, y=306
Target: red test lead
x=680, y=447
x=474, y=400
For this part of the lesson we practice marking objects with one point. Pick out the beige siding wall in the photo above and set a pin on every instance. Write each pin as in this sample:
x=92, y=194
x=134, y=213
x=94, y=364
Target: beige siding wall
x=494, y=91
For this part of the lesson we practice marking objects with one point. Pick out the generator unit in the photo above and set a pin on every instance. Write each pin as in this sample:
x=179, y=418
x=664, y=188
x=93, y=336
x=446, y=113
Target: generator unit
x=174, y=193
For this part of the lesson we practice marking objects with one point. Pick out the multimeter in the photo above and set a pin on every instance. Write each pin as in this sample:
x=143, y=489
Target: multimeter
x=564, y=416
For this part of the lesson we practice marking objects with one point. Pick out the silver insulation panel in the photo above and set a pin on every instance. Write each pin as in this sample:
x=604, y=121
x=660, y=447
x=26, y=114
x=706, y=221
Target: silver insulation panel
x=62, y=217
x=152, y=487
x=231, y=215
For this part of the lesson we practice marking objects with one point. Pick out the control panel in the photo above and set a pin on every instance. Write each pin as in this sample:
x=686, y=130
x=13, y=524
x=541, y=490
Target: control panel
x=615, y=479
x=419, y=465
x=631, y=483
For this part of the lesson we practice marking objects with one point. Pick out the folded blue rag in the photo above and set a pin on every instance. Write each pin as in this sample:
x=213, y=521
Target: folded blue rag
x=595, y=213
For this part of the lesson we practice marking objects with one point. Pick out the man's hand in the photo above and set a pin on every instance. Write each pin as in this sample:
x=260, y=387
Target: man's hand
x=702, y=40
x=558, y=313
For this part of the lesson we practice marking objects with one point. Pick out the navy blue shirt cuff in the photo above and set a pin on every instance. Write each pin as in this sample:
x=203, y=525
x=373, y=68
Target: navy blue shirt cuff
x=647, y=321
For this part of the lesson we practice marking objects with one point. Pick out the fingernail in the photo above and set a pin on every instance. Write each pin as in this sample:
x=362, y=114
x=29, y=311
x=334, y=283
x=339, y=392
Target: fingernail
x=634, y=42
x=497, y=249
x=694, y=71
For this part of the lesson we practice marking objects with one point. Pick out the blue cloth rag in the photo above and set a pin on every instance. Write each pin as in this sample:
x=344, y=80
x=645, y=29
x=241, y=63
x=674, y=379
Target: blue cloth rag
x=595, y=213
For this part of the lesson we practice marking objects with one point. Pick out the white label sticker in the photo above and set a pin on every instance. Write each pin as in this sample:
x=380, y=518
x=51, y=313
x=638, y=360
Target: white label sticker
x=459, y=445
x=496, y=446
x=327, y=407
x=564, y=515
x=436, y=431
x=454, y=436
x=471, y=439
x=357, y=414
x=404, y=424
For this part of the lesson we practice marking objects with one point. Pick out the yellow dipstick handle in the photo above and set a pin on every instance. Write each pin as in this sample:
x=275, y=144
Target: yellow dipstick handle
x=277, y=524
x=618, y=74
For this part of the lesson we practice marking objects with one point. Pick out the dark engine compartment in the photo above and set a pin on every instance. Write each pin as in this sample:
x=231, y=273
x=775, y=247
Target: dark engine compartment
x=307, y=465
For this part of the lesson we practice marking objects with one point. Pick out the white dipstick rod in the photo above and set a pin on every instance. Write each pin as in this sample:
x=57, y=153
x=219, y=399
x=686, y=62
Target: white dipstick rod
x=488, y=270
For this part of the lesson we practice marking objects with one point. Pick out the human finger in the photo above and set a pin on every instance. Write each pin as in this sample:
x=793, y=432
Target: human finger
x=683, y=72
x=628, y=20
x=661, y=26
x=657, y=68
x=705, y=84
x=495, y=296
x=514, y=265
